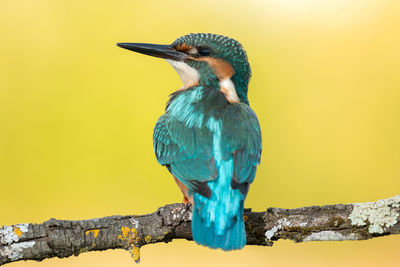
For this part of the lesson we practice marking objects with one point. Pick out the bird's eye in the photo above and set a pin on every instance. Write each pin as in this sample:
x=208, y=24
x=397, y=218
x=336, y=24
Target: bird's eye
x=204, y=51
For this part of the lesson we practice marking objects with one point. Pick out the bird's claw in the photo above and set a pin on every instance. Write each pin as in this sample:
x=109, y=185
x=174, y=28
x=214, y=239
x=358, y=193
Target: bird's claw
x=187, y=206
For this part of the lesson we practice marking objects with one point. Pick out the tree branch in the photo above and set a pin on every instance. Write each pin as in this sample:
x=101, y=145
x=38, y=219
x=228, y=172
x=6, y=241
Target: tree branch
x=60, y=238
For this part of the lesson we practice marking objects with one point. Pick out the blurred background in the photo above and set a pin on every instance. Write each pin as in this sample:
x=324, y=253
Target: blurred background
x=77, y=115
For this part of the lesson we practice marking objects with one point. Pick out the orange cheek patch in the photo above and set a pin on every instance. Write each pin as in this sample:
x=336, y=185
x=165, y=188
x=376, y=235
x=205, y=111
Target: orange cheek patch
x=222, y=69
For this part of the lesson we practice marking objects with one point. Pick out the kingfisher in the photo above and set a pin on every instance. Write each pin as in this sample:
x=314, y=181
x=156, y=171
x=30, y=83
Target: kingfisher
x=209, y=138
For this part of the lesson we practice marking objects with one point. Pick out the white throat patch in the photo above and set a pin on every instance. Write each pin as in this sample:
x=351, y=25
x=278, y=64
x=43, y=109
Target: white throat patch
x=188, y=75
x=228, y=89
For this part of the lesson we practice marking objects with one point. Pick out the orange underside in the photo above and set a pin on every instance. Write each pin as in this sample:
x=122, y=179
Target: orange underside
x=185, y=192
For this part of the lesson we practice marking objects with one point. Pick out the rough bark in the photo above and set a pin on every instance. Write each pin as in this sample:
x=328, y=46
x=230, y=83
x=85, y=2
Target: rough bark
x=60, y=238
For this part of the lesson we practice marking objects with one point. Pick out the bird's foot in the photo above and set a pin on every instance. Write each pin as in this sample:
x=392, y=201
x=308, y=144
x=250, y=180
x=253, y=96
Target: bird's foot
x=187, y=203
x=188, y=206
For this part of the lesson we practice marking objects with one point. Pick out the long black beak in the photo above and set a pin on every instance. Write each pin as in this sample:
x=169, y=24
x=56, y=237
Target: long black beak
x=155, y=50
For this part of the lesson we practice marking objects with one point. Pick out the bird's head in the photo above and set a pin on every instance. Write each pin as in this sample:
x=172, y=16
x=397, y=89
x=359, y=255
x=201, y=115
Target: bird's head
x=205, y=59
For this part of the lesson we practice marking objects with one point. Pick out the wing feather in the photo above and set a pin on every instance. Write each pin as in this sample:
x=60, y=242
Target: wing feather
x=186, y=150
x=242, y=139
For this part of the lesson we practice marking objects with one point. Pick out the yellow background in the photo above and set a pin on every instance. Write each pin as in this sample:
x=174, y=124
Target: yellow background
x=77, y=115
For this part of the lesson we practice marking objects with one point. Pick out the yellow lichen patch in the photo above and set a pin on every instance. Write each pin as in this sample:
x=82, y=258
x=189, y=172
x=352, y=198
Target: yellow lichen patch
x=129, y=235
x=17, y=231
x=135, y=254
x=124, y=233
x=245, y=218
x=94, y=231
x=147, y=238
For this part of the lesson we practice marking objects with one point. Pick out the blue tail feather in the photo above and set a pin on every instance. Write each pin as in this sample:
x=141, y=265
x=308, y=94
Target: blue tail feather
x=207, y=233
x=217, y=221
